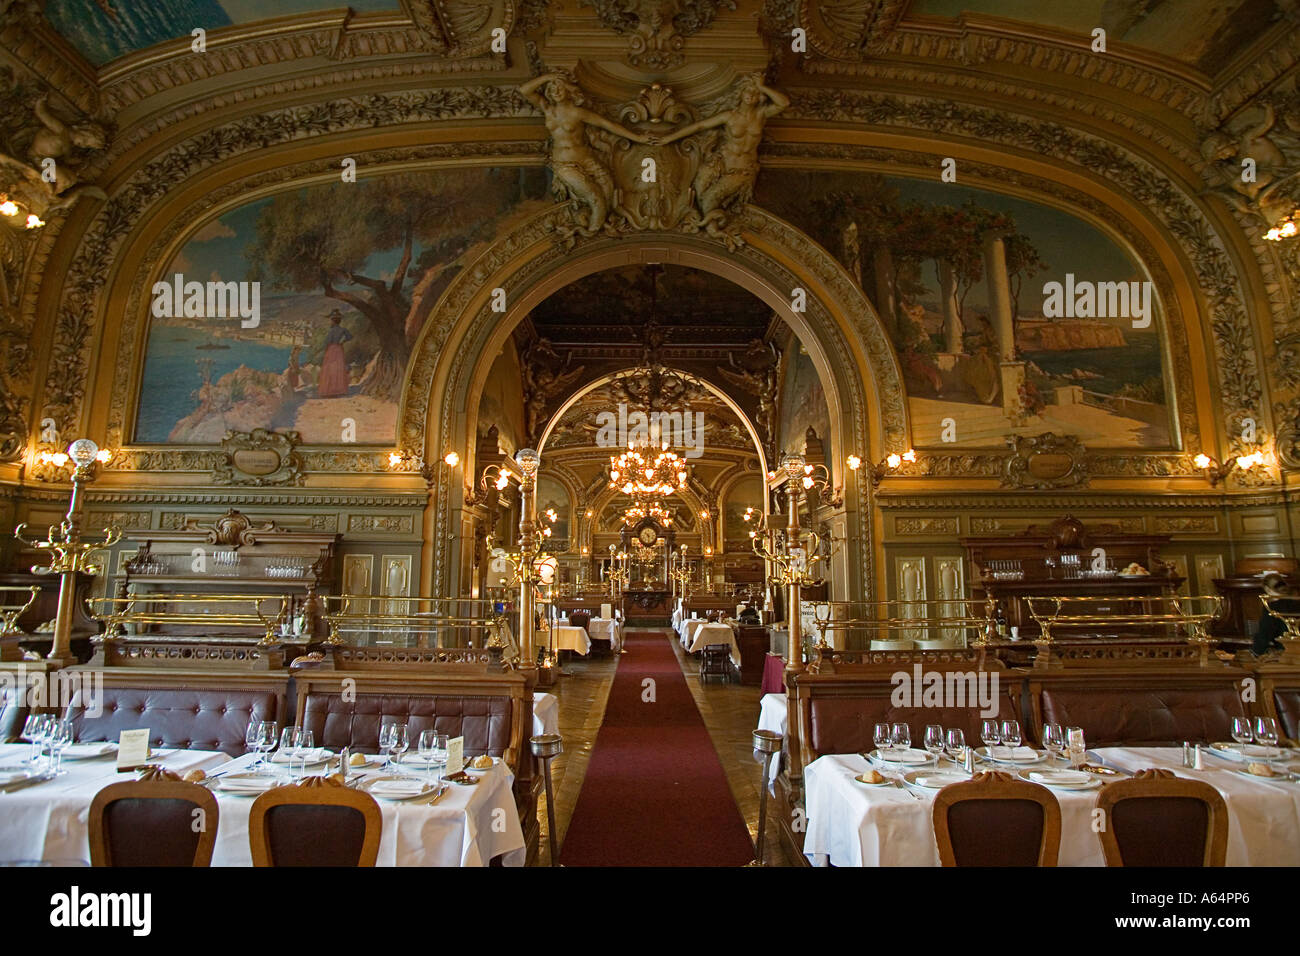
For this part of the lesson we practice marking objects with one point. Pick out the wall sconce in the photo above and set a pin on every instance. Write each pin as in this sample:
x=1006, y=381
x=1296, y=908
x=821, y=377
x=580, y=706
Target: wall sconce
x=1286, y=229
x=50, y=460
x=880, y=469
x=1216, y=471
x=396, y=459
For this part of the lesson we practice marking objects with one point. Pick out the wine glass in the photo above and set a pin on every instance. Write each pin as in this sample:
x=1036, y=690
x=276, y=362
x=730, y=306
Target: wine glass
x=60, y=737
x=398, y=743
x=956, y=741
x=991, y=735
x=251, y=735
x=884, y=743
x=385, y=743
x=934, y=739
x=1011, y=733
x=440, y=743
x=1266, y=731
x=289, y=745
x=1076, y=745
x=304, y=742
x=1053, y=739
x=901, y=737
x=34, y=733
x=427, y=748
x=1241, y=731
x=266, y=737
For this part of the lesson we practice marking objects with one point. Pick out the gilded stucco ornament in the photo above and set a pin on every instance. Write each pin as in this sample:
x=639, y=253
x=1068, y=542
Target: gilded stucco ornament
x=657, y=29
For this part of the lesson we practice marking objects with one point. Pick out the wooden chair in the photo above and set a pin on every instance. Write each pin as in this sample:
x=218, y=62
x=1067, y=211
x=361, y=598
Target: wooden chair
x=716, y=662
x=995, y=819
x=315, y=822
x=1159, y=819
x=152, y=822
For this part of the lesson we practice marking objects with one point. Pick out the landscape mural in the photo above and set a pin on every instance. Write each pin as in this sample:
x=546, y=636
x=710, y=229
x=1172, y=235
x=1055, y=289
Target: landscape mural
x=1100, y=377
x=348, y=274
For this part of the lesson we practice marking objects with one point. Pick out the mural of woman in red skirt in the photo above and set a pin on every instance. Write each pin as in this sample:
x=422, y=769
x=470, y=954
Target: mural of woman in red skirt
x=333, y=380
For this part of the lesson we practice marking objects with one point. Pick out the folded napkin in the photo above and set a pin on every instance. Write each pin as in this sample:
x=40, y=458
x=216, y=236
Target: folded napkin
x=315, y=755
x=1060, y=778
x=94, y=749
x=1013, y=753
x=939, y=779
x=247, y=783
x=397, y=788
x=904, y=756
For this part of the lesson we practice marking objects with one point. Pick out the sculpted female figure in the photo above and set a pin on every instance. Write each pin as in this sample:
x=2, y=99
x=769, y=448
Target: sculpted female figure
x=573, y=161
x=727, y=175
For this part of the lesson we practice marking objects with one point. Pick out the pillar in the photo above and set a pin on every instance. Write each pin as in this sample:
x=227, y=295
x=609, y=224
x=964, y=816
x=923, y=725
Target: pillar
x=1000, y=315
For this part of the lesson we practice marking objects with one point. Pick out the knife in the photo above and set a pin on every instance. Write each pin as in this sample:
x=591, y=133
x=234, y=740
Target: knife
x=29, y=782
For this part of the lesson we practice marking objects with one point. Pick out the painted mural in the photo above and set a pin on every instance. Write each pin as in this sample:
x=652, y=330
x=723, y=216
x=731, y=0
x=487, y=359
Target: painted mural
x=803, y=401
x=103, y=30
x=746, y=493
x=1064, y=355
x=348, y=274
x=552, y=496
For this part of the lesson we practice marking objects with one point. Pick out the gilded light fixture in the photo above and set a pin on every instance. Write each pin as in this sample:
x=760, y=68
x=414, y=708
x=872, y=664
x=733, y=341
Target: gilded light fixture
x=634, y=472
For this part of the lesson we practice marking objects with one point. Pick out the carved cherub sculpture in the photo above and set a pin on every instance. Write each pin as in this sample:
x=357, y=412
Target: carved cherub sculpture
x=579, y=172
x=60, y=147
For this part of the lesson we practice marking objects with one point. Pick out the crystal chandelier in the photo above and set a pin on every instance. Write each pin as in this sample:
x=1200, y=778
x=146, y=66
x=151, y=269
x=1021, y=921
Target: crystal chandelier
x=635, y=472
x=653, y=510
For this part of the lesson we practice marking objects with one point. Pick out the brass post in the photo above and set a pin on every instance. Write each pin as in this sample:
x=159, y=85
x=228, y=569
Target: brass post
x=528, y=460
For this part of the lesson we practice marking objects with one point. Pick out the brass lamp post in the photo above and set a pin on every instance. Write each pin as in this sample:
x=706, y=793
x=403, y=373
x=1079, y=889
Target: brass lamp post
x=680, y=573
x=69, y=555
x=793, y=552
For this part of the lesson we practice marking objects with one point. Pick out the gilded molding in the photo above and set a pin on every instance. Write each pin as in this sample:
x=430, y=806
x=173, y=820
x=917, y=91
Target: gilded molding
x=926, y=526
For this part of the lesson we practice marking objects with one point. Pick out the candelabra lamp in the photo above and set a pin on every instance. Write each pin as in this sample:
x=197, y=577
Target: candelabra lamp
x=69, y=554
x=679, y=573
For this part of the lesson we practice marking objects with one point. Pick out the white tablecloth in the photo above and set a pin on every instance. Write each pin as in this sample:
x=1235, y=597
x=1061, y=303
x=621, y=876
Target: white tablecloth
x=707, y=634
x=606, y=629
x=689, y=627
x=49, y=821
x=565, y=638
x=546, y=714
x=853, y=825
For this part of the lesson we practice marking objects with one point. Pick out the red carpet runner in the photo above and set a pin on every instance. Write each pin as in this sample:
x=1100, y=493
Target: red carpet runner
x=655, y=793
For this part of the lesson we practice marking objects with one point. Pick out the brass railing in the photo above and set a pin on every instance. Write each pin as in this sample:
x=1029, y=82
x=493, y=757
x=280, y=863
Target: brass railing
x=12, y=607
x=1191, y=615
x=944, y=620
x=419, y=622
x=163, y=609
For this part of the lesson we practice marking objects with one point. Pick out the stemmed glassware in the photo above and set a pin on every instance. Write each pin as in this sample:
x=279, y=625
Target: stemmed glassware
x=260, y=736
x=1266, y=731
x=956, y=743
x=884, y=741
x=1241, y=731
x=34, y=730
x=385, y=743
x=934, y=740
x=433, y=750
x=991, y=735
x=1053, y=739
x=60, y=738
x=398, y=743
x=304, y=742
x=1078, y=748
x=901, y=737
x=1011, y=733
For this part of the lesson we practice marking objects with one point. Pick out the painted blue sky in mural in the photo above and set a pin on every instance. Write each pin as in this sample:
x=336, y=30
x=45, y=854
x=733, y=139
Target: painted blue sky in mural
x=103, y=35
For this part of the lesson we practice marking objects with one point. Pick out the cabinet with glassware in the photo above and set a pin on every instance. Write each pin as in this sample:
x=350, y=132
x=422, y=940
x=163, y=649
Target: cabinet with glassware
x=232, y=579
x=1064, y=559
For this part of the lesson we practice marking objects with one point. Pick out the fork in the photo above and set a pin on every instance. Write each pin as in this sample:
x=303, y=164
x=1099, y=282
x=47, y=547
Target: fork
x=898, y=782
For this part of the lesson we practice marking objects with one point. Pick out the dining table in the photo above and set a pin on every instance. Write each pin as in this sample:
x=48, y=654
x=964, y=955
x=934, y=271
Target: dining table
x=854, y=824
x=463, y=826
x=714, y=633
x=688, y=629
x=565, y=637
x=606, y=629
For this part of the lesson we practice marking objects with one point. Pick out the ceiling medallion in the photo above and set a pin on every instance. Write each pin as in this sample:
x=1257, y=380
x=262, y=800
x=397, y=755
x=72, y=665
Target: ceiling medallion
x=657, y=29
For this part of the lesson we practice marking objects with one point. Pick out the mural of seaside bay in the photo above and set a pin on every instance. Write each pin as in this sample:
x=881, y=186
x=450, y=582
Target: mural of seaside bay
x=916, y=249
x=348, y=274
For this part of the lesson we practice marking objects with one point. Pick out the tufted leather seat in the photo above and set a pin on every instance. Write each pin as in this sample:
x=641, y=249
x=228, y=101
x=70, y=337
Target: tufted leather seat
x=1145, y=716
x=1287, y=702
x=484, y=722
x=191, y=719
x=13, y=711
x=845, y=725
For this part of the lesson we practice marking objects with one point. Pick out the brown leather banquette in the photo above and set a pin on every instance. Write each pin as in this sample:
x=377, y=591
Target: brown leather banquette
x=1155, y=710
x=190, y=711
x=336, y=722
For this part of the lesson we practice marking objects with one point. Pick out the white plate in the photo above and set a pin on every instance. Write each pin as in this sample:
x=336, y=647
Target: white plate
x=1038, y=757
x=245, y=784
x=866, y=783
x=1254, y=776
x=469, y=765
x=1231, y=750
x=1062, y=779
x=90, y=751
x=397, y=788
x=934, y=779
x=913, y=757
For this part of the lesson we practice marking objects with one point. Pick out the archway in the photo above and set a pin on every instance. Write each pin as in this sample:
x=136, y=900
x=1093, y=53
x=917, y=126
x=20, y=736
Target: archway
x=844, y=337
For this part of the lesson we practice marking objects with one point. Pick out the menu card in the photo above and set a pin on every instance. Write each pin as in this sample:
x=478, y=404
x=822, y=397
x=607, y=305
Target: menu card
x=132, y=749
x=607, y=611
x=455, y=756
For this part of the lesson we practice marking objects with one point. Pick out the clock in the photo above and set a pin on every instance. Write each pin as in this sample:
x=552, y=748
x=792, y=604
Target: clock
x=648, y=536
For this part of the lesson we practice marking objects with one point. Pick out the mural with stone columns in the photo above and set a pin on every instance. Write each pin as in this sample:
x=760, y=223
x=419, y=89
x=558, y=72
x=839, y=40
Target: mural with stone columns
x=1008, y=317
